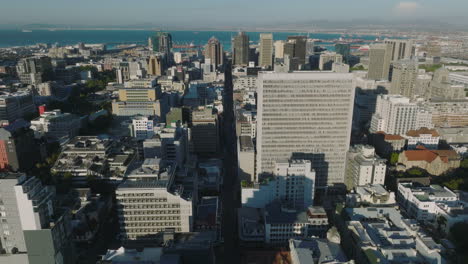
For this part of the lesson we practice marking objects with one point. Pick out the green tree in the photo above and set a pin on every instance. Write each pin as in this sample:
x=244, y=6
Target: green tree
x=394, y=158
x=458, y=235
x=464, y=164
x=441, y=222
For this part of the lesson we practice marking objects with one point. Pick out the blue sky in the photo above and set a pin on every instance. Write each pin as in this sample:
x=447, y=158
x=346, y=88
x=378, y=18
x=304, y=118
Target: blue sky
x=221, y=12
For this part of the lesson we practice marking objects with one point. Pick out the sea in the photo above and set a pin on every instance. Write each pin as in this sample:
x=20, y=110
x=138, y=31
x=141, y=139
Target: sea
x=112, y=38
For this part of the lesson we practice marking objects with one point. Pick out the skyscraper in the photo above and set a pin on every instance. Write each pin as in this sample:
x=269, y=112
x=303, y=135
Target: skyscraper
x=155, y=65
x=162, y=42
x=404, y=77
x=266, y=50
x=344, y=49
x=214, y=51
x=401, y=48
x=279, y=49
x=305, y=115
x=380, y=57
x=240, y=49
x=299, y=48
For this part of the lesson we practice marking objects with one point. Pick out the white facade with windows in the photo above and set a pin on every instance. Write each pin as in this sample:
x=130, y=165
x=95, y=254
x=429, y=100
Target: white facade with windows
x=364, y=167
x=293, y=183
x=394, y=114
x=143, y=127
x=305, y=115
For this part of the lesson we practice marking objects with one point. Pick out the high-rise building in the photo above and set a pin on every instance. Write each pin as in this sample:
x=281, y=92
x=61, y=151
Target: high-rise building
x=327, y=59
x=265, y=59
x=305, y=115
x=279, y=49
x=34, y=70
x=33, y=231
x=161, y=42
x=394, y=114
x=310, y=45
x=240, y=49
x=344, y=49
x=155, y=66
x=364, y=167
x=204, y=131
x=404, y=77
x=380, y=57
x=214, y=52
x=401, y=48
x=18, y=148
x=300, y=43
x=293, y=183
x=442, y=87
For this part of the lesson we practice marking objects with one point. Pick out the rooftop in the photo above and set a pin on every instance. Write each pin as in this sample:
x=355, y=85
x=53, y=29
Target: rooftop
x=422, y=131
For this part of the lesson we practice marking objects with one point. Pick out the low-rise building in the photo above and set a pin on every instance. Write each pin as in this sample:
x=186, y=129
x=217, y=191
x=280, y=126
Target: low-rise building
x=429, y=138
x=372, y=194
x=56, y=125
x=435, y=162
x=317, y=251
x=277, y=223
x=293, y=183
x=433, y=204
x=386, y=144
x=382, y=235
x=143, y=127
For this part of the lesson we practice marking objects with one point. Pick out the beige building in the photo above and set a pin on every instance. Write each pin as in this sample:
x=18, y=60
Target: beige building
x=442, y=88
x=279, y=49
x=401, y=48
x=327, y=59
x=265, y=59
x=155, y=66
x=380, y=57
x=404, y=77
x=435, y=162
x=214, y=52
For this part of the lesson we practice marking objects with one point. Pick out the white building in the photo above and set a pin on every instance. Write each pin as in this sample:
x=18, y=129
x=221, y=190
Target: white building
x=429, y=204
x=305, y=115
x=247, y=82
x=375, y=195
x=56, y=125
x=147, y=208
x=394, y=114
x=429, y=138
x=143, y=127
x=25, y=205
x=364, y=167
x=293, y=183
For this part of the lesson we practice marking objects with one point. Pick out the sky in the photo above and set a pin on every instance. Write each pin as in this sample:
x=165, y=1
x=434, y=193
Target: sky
x=169, y=13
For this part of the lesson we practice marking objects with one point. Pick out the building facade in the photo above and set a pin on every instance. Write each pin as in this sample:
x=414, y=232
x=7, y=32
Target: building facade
x=307, y=115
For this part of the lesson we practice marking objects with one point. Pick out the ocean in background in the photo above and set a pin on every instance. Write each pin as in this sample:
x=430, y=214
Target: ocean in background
x=11, y=38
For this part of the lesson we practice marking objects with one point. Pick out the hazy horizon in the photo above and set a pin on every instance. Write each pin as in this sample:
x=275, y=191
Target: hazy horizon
x=222, y=13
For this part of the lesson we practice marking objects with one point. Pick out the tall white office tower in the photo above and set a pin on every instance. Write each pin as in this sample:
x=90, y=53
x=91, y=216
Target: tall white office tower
x=305, y=115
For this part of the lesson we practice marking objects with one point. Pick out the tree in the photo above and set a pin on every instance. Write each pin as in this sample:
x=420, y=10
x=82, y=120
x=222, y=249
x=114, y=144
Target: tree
x=464, y=164
x=394, y=158
x=441, y=222
x=458, y=235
